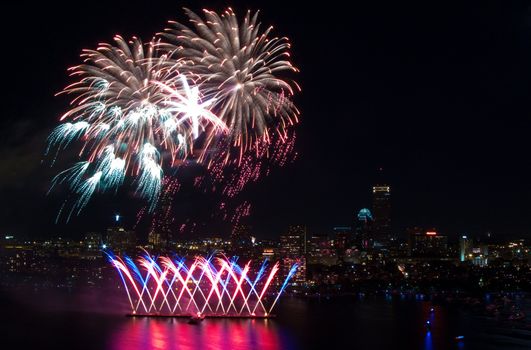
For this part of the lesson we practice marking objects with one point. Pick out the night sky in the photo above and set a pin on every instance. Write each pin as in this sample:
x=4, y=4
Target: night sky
x=439, y=96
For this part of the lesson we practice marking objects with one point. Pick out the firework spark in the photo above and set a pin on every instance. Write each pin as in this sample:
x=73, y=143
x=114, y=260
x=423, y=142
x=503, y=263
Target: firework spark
x=239, y=66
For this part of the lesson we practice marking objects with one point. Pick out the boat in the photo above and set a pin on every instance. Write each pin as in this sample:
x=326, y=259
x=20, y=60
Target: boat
x=196, y=319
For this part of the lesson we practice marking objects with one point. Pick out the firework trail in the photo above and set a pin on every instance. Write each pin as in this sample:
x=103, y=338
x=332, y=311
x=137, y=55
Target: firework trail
x=243, y=210
x=163, y=218
x=226, y=181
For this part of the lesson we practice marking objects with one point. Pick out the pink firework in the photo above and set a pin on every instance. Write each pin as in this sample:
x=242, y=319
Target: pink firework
x=206, y=286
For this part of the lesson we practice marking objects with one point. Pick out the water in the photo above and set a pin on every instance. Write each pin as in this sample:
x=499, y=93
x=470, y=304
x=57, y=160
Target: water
x=301, y=324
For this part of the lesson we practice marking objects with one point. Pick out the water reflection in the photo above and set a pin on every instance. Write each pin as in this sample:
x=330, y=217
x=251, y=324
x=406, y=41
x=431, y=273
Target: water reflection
x=169, y=334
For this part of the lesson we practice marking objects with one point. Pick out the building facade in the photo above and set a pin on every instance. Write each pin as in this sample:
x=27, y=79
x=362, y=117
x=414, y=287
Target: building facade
x=293, y=251
x=381, y=211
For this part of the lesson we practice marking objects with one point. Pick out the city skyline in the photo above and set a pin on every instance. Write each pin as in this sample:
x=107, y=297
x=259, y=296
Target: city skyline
x=265, y=175
x=453, y=161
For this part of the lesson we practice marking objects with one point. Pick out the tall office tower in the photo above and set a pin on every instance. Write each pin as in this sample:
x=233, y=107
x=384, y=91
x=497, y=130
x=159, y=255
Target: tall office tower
x=293, y=243
x=364, y=229
x=293, y=250
x=381, y=211
x=463, y=248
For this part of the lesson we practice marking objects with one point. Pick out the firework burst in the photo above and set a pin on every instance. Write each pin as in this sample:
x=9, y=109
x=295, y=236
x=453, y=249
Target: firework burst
x=238, y=65
x=131, y=116
x=139, y=108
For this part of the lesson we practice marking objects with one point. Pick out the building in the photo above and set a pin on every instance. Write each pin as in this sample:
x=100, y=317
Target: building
x=16, y=257
x=343, y=239
x=293, y=251
x=120, y=240
x=267, y=249
x=293, y=242
x=364, y=229
x=93, y=244
x=464, y=246
x=473, y=251
x=157, y=241
x=427, y=244
x=381, y=211
x=268, y=253
x=479, y=255
x=321, y=251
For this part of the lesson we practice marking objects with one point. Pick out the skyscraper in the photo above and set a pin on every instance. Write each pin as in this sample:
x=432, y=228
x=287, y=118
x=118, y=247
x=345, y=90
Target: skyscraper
x=293, y=250
x=463, y=248
x=381, y=211
x=364, y=229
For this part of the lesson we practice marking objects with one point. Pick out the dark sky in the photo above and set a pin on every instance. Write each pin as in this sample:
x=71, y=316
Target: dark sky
x=438, y=95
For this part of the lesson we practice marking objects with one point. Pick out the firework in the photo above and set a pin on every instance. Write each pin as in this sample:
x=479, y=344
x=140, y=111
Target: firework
x=131, y=115
x=207, y=286
x=239, y=66
x=224, y=181
x=140, y=108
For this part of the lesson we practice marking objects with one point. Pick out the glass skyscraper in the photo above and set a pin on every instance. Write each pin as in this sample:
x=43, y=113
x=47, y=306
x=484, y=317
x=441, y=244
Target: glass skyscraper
x=381, y=211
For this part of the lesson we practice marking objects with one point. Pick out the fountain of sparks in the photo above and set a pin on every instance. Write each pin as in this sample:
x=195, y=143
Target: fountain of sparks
x=211, y=286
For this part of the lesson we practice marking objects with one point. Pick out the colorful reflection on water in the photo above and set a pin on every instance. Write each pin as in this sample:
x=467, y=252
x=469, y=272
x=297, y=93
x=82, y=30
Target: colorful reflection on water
x=169, y=334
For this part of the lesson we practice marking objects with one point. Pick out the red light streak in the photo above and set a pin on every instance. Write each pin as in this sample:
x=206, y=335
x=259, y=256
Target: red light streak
x=159, y=286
